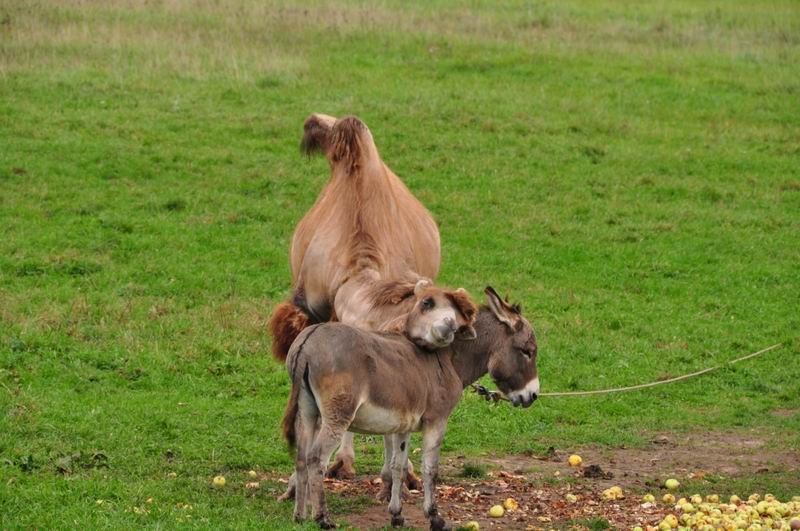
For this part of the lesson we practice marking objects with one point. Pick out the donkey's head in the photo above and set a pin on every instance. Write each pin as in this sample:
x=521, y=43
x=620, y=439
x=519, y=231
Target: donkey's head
x=512, y=361
x=439, y=316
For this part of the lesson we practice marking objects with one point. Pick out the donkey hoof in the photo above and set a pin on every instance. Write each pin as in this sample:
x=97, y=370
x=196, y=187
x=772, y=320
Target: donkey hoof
x=437, y=523
x=398, y=520
x=341, y=470
x=324, y=522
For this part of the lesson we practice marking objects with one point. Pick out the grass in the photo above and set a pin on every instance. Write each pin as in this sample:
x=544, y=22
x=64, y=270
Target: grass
x=630, y=173
x=473, y=470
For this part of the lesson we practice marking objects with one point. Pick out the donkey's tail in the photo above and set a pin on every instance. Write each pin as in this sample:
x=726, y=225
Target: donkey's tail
x=297, y=365
x=290, y=414
x=287, y=321
x=346, y=141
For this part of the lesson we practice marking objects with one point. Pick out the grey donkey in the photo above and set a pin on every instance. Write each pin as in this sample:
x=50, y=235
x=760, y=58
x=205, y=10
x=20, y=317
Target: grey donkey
x=344, y=378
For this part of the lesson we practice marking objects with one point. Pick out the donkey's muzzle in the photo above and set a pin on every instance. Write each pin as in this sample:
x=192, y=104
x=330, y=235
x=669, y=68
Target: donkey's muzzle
x=524, y=401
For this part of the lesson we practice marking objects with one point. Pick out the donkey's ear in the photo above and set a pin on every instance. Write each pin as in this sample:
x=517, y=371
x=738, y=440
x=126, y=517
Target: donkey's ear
x=466, y=333
x=421, y=285
x=504, y=313
x=460, y=298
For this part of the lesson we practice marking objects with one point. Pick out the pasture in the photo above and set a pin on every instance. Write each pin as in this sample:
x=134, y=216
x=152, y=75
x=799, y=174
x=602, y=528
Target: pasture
x=629, y=173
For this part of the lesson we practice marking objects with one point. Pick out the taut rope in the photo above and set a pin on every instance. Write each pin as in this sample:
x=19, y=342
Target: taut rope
x=495, y=396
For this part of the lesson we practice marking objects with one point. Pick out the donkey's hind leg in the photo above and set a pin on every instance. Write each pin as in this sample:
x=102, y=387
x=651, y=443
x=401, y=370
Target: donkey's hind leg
x=306, y=428
x=291, y=488
x=432, y=437
x=399, y=467
x=327, y=438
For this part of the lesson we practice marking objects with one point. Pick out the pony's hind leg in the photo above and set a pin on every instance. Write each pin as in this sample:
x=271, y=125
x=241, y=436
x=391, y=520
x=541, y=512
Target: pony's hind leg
x=399, y=466
x=342, y=467
x=291, y=488
x=386, y=471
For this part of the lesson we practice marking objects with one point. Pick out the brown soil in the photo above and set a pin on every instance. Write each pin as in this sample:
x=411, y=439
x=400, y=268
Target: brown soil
x=540, y=484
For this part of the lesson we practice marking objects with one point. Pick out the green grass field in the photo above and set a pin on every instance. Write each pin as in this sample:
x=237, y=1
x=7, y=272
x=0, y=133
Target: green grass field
x=630, y=173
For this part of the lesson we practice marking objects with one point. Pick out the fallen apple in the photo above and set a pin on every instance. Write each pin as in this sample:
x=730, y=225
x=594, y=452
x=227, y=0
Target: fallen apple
x=672, y=484
x=218, y=481
x=575, y=460
x=510, y=504
x=496, y=511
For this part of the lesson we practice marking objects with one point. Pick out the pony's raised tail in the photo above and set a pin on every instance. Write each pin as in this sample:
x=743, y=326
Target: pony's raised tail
x=317, y=133
x=286, y=323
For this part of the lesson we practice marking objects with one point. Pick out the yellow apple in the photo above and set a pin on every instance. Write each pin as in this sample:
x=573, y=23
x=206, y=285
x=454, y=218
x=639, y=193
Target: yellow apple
x=496, y=511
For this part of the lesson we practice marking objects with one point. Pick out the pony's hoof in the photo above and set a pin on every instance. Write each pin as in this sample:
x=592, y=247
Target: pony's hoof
x=341, y=469
x=287, y=496
x=398, y=520
x=437, y=523
x=413, y=482
x=324, y=522
x=385, y=493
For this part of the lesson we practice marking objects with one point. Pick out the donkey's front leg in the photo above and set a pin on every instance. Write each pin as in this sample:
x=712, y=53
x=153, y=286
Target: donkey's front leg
x=399, y=460
x=431, y=441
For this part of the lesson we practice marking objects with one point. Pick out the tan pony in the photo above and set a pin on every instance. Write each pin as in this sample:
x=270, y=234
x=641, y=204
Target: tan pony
x=358, y=253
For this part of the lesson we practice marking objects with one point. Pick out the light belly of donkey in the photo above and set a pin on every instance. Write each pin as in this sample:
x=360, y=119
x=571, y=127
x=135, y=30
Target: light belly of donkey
x=373, y=419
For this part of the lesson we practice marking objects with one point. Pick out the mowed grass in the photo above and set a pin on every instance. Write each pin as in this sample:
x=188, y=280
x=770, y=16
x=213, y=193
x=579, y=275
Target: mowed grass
x=630, y=173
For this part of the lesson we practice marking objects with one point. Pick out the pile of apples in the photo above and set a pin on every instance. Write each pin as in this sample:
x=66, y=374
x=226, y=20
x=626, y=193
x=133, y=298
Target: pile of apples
x=710, y=514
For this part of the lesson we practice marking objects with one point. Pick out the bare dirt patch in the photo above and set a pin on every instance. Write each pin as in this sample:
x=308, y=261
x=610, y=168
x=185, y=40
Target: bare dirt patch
x=722, y=453
x=541, y=484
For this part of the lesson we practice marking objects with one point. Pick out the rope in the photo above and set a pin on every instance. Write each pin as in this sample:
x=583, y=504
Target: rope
x=495, y=396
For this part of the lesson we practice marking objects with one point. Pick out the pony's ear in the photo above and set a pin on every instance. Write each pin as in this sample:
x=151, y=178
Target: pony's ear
x=504, y=312
x=460, y=298
x=422, y=284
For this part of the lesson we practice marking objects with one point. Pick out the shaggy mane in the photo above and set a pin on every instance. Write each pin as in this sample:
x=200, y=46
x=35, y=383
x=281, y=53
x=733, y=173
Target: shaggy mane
x=392, y=293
